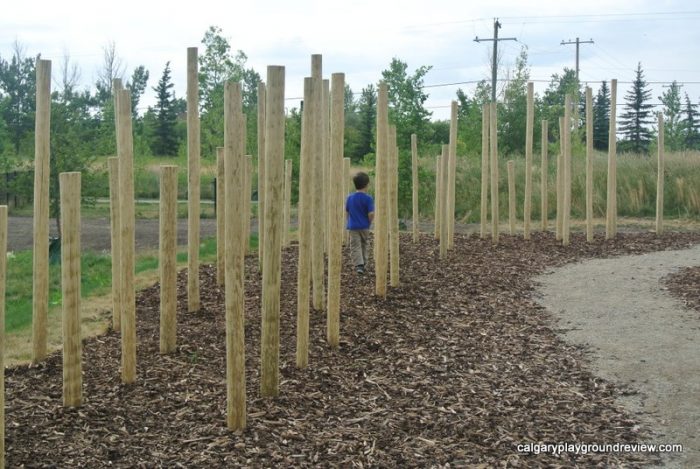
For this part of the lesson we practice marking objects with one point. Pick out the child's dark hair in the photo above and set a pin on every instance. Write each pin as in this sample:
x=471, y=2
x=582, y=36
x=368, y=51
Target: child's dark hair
x=361, y=180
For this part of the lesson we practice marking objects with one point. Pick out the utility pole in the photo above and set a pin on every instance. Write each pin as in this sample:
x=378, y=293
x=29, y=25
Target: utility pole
x=494, y=65
x=577, y=42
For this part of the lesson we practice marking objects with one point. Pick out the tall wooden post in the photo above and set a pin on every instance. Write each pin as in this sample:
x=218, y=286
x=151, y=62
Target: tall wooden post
x=511, y=196
x=485, y=121
x=274, y=160
x=438, y=199
x=560, y=181
x=262, y=98
x=414, y=185
x=42, y=130
x=444, y=205
x=566, y=229
x=3, y=280
x=115, y=226
x=381, y=224
x=70, y=288
x=494, y=172
x=544, y=189
x=335, y=234
x=452, y=171
x=589, y=164
x=611, y=206
x=305, y=222
x=346, y=192
x=325, y=136
x=234, y=170
x=529, y=129
x=393, y=191
x=193, y=187
x=247, y=195
x=315, y=110
x=168, y=258
x=287, y=202
x=660, y=178
x=220, y=216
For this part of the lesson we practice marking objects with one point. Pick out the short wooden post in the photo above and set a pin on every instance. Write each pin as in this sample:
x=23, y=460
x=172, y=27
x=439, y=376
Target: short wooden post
x=126, y=215
x=589, y=164
x=261, y=171
x=315, y=110
x=274, y=161
x=40, y=272
x=335, y=174
x=485, y=120
x=544, y=189
x=381, y=224
x=193, y=187
x=414, y=185
x=305, y=221
x=660, y=178
x=444, y=205
x=247, y=195
x=220, y=216
x=611, y=205
x=287, y=202
x=3, y=280
x=70, y=288
x=438, y=200
x=511, y=196
x=393, y=186
x=494, y=172
x=115, y=228
x=168, y=258
x=560, y=181
x=234, y=168
x=452, y=178
x=566, y=229
x=346, y=191
x=529, y=129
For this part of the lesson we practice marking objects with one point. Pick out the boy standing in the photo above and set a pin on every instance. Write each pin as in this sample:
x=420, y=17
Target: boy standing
x=360, y=213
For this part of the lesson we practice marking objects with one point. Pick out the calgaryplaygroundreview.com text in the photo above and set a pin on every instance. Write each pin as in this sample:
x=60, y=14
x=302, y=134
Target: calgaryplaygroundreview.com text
x=586, y=448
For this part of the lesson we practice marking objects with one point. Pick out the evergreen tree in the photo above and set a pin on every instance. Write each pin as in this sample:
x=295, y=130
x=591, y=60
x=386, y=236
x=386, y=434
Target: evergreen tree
x=601, y=118
x=137, y=86
x=554, y=97
x=635, y=121
x=165, y=141
x=367, y=116
x=690, y=126
x=673, y=131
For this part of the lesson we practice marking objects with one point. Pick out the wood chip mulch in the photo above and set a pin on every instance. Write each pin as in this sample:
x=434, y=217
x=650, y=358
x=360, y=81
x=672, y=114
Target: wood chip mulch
x=454, y=368
x=685, y=285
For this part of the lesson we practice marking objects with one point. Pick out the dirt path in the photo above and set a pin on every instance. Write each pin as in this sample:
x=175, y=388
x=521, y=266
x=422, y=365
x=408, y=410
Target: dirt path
x=639, y=335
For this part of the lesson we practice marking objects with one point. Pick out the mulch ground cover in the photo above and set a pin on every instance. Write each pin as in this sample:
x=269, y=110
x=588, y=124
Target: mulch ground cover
x=455, y=367
x=685, y=285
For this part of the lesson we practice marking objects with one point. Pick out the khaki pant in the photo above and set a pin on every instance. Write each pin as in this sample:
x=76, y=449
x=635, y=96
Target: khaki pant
x=358, y=247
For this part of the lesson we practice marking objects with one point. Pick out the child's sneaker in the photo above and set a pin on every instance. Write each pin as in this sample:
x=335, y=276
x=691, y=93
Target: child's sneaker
x=360, y=269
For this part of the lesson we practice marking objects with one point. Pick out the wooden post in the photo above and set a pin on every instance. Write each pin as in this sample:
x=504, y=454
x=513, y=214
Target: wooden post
x=220, y=216
x=414, y=185
x=287, y=202
x=560, y=181
x=393, y=186
x=589, y=164
x=452, y=171
x=544, y=189
x=611, y=206
x=305, y=221
x=529, y=129
x=193, y=191
x=511, y=196
x=346, y=192
x=325, y=135
x=40, y=298
x=168, y=258
x=444, y=205
x=274, y=161
x=234, y=167
x=438, y=191
x=566, y=229
x=247, y=195
x=69, y=184
x=381, y=224
x=485, y=120
x=261, y=171
x=3, y=279
x=494, y=172
x=115, y=226
x=126, y=215
x=660, y=179
x=315, y=110
x=335, y=234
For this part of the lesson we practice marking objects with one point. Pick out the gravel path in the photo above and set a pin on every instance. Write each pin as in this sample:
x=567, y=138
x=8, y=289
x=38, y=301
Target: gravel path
x=639, y=336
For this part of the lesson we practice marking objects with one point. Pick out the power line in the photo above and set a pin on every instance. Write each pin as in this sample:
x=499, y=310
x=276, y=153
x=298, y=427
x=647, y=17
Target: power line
x=577, y=42
x=494, y=66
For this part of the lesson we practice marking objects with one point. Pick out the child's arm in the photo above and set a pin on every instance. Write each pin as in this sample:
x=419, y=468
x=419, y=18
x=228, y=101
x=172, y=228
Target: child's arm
x=370, y=215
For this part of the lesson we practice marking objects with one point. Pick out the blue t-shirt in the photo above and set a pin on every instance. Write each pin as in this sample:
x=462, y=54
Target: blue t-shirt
x=359, y=205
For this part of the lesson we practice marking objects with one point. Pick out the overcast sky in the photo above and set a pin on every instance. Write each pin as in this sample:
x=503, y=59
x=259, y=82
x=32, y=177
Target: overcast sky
x=360, y=38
